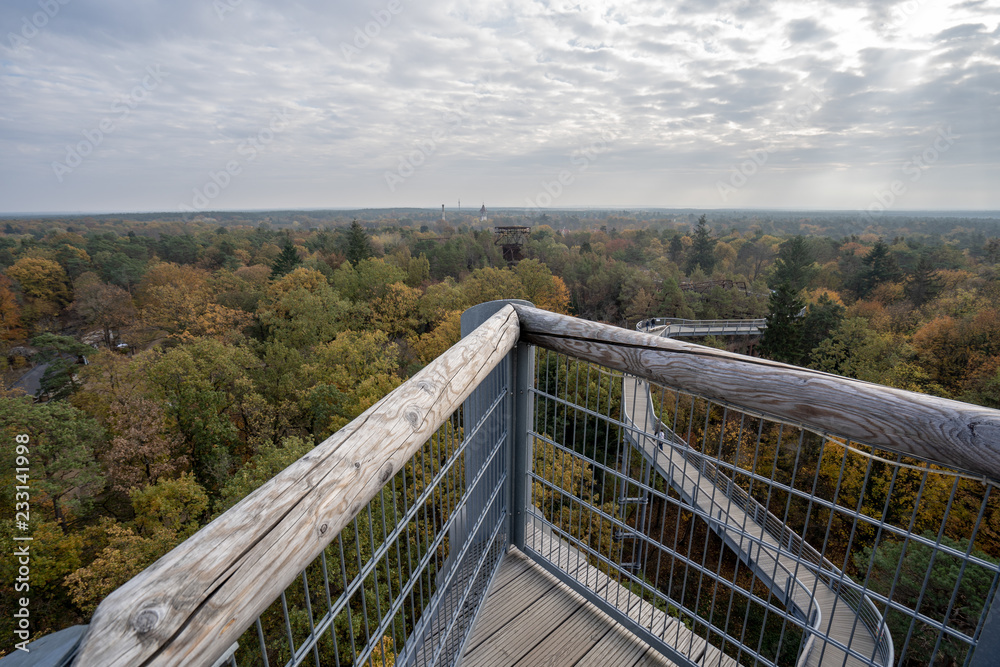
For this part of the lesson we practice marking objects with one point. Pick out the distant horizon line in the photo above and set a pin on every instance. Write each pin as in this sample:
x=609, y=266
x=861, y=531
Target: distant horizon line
x=475, y=211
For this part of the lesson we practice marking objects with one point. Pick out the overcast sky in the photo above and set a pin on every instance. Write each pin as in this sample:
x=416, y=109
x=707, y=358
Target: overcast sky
x=150, y=105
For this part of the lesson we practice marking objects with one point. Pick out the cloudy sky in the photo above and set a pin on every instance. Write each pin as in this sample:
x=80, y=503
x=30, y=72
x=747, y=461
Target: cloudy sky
x=156, y=105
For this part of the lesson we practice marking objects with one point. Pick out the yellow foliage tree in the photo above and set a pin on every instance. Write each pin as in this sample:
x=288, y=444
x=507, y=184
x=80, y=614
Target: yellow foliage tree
x=45, y=286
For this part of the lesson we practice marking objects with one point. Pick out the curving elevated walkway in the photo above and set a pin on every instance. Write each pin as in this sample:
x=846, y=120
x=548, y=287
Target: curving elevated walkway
x=672, y=327
x=804, y=587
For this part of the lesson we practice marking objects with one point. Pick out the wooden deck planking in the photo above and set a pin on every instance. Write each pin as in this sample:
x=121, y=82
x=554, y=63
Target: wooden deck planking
x=617, y=647
x=533, y=619
x=672, y=631
x=502, y=604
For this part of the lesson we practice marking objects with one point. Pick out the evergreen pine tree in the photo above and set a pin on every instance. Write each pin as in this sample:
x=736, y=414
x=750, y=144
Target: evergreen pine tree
x=822, y=318
x=702, y=249
x=784, y=338
x=795, y=264
x=286, y=261
x=358, y=247
x=924, y=284
x=878, y=267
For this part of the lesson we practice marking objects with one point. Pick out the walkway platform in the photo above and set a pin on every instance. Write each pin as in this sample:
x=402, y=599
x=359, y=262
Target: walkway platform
x=531, y=618
x=786, y=576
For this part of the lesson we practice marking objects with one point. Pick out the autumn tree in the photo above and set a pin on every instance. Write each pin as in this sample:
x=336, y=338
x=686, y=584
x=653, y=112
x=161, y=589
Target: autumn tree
x=302, y=309
x=540, y=287
x=179, y=300
x=10, y=312
x=106, y=306
x=348, y=375
x=45, y=286
x=142, y=449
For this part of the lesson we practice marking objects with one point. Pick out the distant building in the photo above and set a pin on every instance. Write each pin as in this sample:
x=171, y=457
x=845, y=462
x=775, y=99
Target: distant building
x=482, y=213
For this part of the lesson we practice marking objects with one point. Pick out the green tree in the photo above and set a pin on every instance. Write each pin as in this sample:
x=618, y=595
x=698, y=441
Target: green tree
x=205, y=385
x=924, y=284
x=929, y=588
x=358, y=246
x=794, y=268
x=877, y=267
x=61, y=353
x=286, y=261
x=63, y=444
x=782, y=339
x=702, y=254
x=820, y=320
x=795, y=265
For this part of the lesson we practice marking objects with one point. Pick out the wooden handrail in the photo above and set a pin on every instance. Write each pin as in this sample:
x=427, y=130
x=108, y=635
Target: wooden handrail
x=940, y=430
x=192, y=604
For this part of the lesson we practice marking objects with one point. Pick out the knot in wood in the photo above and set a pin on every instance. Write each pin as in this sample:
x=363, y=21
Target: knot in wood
x=426, y=385
x=386, y=473
x=323, y=529
x=357, y=465
x=145, y=621
x=411, y=417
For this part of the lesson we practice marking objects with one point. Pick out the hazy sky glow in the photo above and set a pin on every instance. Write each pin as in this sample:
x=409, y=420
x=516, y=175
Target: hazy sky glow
x=139, y=105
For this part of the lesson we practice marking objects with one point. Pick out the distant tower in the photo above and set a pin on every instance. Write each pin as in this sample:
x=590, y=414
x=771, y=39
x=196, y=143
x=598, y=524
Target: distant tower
x=482, y=213
x=442, y=212
x=510, y=239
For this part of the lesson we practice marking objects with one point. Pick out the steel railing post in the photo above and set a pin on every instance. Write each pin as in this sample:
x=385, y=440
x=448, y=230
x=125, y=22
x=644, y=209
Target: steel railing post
x=988, y=646
x=521, y=445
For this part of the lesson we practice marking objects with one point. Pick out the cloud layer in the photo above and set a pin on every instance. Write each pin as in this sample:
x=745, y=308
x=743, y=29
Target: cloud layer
x=202, y=104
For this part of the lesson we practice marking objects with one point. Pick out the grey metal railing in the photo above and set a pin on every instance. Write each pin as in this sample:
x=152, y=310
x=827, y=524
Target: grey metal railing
x=401, y=519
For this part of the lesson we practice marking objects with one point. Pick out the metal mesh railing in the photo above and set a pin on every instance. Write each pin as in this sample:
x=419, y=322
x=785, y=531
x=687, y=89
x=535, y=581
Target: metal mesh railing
x=401, y=584
x=733, y=527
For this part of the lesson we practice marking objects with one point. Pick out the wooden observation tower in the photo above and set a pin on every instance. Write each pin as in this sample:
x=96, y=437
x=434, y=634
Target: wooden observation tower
x=511, y=239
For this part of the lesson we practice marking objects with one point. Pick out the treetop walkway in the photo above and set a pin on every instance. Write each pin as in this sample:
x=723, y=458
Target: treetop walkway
x=511, y=504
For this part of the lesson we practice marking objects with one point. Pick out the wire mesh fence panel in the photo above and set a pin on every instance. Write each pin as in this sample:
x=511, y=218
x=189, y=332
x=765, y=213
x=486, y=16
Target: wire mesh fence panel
x=401, y=583
x=735, y=538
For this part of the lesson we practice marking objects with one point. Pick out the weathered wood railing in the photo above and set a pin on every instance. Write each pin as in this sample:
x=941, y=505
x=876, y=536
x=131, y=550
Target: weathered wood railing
x=193, y=604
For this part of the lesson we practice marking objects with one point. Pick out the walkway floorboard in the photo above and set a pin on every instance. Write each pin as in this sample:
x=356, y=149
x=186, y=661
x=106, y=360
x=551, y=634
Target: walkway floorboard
x=558, y=628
